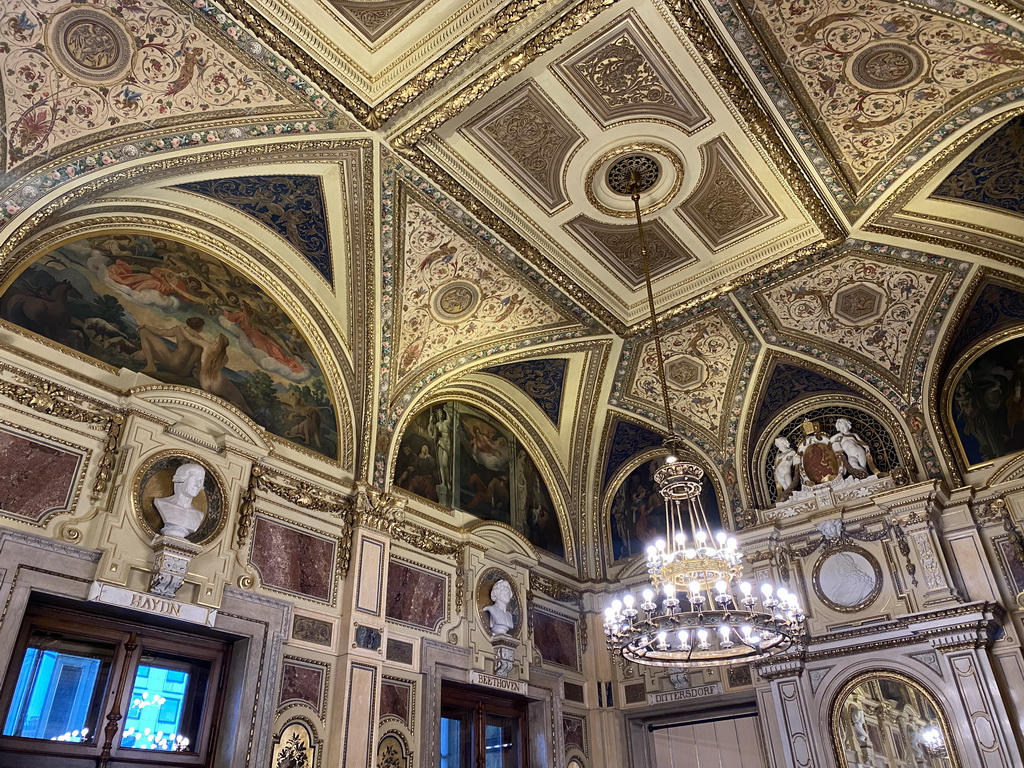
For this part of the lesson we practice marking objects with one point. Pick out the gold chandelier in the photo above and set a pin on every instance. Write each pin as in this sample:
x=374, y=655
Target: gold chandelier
x=697, y=612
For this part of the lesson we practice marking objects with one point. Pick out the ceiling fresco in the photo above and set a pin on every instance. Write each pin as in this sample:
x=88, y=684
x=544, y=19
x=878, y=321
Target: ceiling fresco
x=833, y=210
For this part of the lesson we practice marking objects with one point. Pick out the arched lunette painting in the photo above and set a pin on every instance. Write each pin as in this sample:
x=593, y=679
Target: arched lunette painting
x=986, y=403
x=460, y=457
x=166, y=309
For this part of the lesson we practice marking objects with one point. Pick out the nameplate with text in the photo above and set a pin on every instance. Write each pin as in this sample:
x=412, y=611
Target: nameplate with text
x=512, y=686
x=154, y=605
x=684, y=694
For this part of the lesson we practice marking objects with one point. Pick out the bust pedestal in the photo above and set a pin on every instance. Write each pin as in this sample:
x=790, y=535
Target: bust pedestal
x=173, y=554
x=504, y=654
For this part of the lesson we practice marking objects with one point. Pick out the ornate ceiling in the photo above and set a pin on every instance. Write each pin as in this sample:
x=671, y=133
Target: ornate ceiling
x=422, y=188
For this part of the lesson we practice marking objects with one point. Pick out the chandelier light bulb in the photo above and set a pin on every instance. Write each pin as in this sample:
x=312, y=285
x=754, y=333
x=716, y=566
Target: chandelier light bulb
x=745, y=588
x=628, y=600
x=694, y=588
x=652, y=552
x=783, y=594
x=680, y=538
x=730, y=544
x=616, y=605
x=701, y=537
x=660, y=545
x=766, y=590
x=721, y=538
x=670, y=590
x=648, y=595
x=663, y=639
x=720, y=586
x=684, y=639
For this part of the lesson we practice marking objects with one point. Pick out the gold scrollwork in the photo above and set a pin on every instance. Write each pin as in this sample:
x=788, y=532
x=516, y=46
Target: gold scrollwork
x=307, y=495
x=53, y=400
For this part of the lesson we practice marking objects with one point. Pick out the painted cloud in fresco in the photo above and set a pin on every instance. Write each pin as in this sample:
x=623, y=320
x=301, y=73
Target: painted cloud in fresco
x=165, y=309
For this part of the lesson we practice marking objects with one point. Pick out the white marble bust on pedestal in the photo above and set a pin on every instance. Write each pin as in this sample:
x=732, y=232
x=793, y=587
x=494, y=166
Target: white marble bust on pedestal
x=177, y=511
x=500, y=616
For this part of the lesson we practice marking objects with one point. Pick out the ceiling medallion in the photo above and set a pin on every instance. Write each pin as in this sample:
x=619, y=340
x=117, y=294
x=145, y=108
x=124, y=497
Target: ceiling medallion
x=454, y=301
x=887, y=66
x=90, y=46
x=609, y=179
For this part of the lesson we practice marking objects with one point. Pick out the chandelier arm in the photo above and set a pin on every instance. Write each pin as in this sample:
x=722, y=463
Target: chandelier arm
x=634, y=184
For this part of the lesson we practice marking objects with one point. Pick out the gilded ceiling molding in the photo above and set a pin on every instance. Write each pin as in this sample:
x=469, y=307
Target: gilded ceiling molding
x=728, y=203
x=512, y=64
x=374, y=117
x=617, y=246
x=621, y=72
x=747, y=37
x=375, y=19
x=893, y=218
x=717, y=57
x=531, y=139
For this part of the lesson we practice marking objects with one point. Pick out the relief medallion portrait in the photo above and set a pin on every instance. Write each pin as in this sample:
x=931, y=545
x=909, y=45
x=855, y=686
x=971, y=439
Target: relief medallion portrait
x=90, y=45
x=847, y=580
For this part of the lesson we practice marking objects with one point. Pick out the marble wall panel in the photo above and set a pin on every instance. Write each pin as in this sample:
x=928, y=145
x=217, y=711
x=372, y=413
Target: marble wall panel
x=416, y=597
x=303, y=682
x=294, y=561
x=556, y=639
x=37, y=478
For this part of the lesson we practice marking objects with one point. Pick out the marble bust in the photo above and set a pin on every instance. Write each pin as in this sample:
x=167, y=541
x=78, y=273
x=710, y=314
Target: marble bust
x=177, y=511
x=500, y=616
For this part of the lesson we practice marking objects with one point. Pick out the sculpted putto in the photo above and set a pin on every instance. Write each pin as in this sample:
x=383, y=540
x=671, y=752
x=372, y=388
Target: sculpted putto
x=852, y=451
x=180, y=516
x=787, y=461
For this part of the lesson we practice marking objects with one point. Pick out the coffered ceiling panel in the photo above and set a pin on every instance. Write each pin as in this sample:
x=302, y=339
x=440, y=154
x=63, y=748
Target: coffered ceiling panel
x=611, y=97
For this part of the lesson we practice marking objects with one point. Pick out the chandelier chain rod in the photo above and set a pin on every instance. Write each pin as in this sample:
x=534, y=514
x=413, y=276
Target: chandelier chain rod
x=634, y=185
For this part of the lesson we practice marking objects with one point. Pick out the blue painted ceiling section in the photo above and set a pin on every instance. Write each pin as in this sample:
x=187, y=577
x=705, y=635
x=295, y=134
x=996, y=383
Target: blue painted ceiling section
x=541, y=380
x=292, y=206
x=788, y=383
x=993, y=174
x=628, y=439
x=995, y=307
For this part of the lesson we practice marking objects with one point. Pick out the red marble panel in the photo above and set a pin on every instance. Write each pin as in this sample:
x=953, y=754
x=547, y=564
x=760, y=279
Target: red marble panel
x=415, y=596
x=300, y=682
x=394, y=701
x=36, y=478
x=292, y=560
x=555, y=639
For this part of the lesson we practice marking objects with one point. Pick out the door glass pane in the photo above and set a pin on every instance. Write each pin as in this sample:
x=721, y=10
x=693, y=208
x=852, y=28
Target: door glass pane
x=456, y=737
x=60, y=688
x=165, y=709
x=501, y=741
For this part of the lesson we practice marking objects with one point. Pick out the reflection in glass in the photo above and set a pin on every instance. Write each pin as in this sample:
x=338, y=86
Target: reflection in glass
x=60, y=688
x=166, y=703
x=501, y=741
x=885, y=720
x=456, y=737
